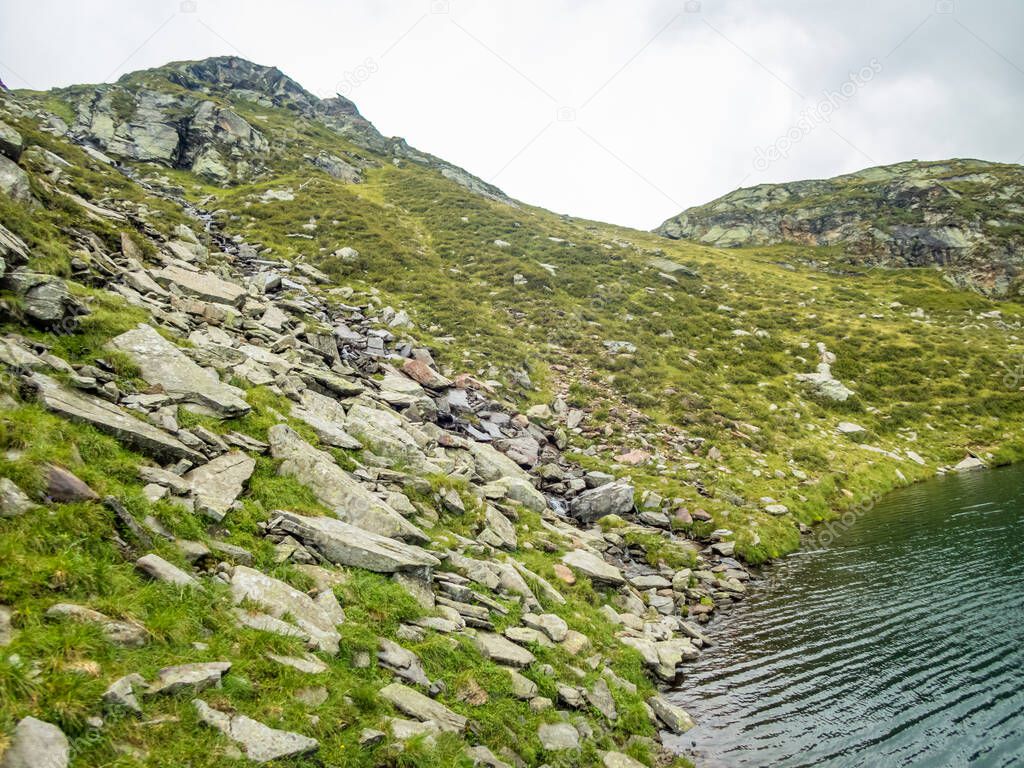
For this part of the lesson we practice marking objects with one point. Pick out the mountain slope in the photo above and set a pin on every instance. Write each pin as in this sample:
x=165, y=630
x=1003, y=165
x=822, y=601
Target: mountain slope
x=345, y=330
x=963, y=216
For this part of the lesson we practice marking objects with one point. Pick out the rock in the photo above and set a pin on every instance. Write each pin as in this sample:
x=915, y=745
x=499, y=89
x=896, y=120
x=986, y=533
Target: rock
x=415, y=704
x=402, y=662
x=347, y=498
x=120, y=633
x=106, y=417
x=159, y=569
x=969, y=464
x=6, y=631
x=64, y=487
x=600, y=698
x=502, y=532
x=202, y=285
x=327, y=418
x=281, y=600
x=216, y=485
x=849, y=428
x=550, y=624
x=593, y=566
x=36, y=744
x=337, y=168
x=620, y=760
x=121, y=693
x=45, y=299
x=555, y=737
x=312, y=697
x=165, y=365
x=345, y=544
x=191, y=677
x=260, y=743
x=501, y=650
x=369, y=737
x=403, y=730
x=575, y=643
x=13, y=501
x=482, y=756
x=494, y=467
x=11, y=142
x=389, y=434
x=674, y=718
x=309, y=664
x=14, y=181
x=522, y=687
x=423, y=374
x=610, y=499
x=564, y=573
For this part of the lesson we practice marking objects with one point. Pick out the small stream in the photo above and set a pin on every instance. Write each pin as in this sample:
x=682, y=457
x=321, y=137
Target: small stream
x=900, y=643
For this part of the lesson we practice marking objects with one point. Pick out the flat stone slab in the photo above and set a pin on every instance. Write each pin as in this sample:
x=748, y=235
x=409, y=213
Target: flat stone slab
x=165, y=365
x=108, y=418
x=120, y=633
x=327, y=418
x=280, y=600
x=260, y=742
x=558, y=736
x=37, y=744
x=346, y=497
x=593, y=566
x=502, y=650
x=196, y=677
x=159, y=569
x=217, y=484
x=308, y=664
x=203, y=285
x=415, y=704
x=676, y=719
x=345, y=544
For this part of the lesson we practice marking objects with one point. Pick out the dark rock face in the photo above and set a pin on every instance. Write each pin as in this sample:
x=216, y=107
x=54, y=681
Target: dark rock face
x=960, y=215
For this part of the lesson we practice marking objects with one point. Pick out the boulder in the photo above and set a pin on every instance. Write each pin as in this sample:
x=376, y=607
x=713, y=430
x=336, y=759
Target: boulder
x=14, y=181
x=36, y=744
x=45, y=299
x=120, y=633
x=550, y=624
x=202, y=285
x=283, y=601
x=217, y=484
x=420, y=372
x=344, y=544
x=107, y=417
x=414, y=704
x=593, y=566
x=497, y=469
x=675, y=719
x=165, y=365
x=192, y=677
x=401, y=661
x=121, y=693
x=502, y=650
x=65, y=487
x=13, y=501
x=555, y=737
x=610, y=499
x=327, y=418
x=346, y=497
x=620, y=760
x=159, y=569
x=259, y=742
x=11, y=142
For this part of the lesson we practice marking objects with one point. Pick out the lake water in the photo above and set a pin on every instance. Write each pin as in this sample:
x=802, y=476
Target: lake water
x=900, y=643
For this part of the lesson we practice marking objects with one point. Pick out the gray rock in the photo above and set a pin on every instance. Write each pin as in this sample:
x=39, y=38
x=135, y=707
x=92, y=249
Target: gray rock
x=11, y=142
x=260, y=742
x=6, y=630
x=14, y=181
x=401, y=661
x=620, y=760
x=121, y=693
x=202, y=285
x=522, y=687
x=106, y=417
x=555, y=737
x=593, y=566
x=13, y=501
x=502, y=531
x=159, y=569
x=610, y=499
x=37, y=744
x=192, y=677
x=216, y=485
x=346, y=497
x=969, y=464
x=549, y=623
x=502, y=650
x=120, y=633
x=327, y=418
x=500, y=471
x=344, y=544
x=165, y=365
x=675, y=719
x=281, y=600
x=308, y=664
x=415, y=704
x=45, y=299
x=600, y=698
x=64, y=486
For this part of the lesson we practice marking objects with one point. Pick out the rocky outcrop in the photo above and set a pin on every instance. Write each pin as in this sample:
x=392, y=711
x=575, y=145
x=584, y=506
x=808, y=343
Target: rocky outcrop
x=958, y=215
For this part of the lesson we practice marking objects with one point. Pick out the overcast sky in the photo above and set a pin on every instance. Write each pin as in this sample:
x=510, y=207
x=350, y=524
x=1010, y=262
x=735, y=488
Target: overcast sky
x=620, y=111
